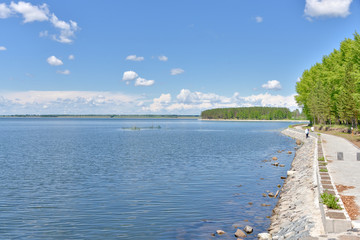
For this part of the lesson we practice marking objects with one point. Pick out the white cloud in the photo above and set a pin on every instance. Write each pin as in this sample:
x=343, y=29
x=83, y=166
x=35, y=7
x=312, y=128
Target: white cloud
x=163, y=58
x=2, y=48
x=189, y=102
x=134, y=58
x=176, y=71
x=5, y=12
x=67, y=30
x=258, y=19
x=71, y=57
x=86, y=102
x=159, y=103
x=272, y=85
x=54, y=61
x=327, y=8
x=143, y=82
x=64, y=72
x=30, y=12
x=40, y=13
x=129, y=75
x=44, y=34
x=68, y=102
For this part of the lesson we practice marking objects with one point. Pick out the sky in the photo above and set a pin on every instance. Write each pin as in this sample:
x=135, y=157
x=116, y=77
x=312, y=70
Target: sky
x=162, y=56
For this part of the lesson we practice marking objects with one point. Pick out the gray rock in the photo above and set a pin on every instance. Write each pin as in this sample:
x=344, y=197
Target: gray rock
x=289, y=234
x=248, y=229
x=264, y=236
x=240, y=234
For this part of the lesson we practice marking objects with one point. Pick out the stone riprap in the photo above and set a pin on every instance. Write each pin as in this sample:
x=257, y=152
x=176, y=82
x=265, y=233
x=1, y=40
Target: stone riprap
x=297, y=214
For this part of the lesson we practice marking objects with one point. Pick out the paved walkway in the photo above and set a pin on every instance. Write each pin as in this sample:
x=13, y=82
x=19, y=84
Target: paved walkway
x=344, y=168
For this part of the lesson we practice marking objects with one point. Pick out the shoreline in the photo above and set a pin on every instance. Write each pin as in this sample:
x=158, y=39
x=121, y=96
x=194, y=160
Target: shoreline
x=297, y=214
x=252, y=120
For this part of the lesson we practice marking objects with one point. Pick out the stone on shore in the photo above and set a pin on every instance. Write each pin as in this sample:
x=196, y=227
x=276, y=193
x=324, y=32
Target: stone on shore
x=248, y=229
x=220, y=232
x=271, y=194
x=274, y=158
x=296, y=215
x=240, y=234
x=289, y=173
x=264, y=236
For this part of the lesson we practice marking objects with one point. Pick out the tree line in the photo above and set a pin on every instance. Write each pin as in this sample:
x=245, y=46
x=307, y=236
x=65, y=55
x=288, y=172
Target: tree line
x=251, y=113
x=329, y=92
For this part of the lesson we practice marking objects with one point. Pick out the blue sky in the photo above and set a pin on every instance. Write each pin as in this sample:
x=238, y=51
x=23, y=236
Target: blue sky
x=162, y=57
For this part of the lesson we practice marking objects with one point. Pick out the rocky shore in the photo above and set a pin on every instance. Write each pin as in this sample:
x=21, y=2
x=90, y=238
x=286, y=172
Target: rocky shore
x=297, y=214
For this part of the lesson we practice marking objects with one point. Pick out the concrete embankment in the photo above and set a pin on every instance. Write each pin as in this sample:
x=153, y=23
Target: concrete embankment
x=297, y=214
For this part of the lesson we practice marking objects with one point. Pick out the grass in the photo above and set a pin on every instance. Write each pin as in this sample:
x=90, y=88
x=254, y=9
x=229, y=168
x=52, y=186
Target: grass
x=330, y=200
x=321, y=159
x=322, y=163
x=323, y=170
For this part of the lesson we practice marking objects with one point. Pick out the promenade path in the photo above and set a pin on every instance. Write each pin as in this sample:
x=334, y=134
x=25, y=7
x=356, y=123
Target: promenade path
x=343, y=165
x=344, y=169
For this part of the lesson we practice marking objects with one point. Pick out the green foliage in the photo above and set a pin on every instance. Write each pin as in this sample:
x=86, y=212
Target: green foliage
x=323, y=170
x=330, y=200
x=253, y=113
x=321, y=159
x=329, y=92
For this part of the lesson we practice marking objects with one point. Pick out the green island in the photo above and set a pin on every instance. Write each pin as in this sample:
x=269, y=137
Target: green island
x=253, y=113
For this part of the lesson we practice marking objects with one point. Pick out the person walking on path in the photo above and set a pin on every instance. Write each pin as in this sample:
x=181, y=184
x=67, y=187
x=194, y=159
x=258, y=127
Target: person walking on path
x=307, y=132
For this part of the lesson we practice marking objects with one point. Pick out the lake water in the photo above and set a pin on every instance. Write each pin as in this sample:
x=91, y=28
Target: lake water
x=99, y=179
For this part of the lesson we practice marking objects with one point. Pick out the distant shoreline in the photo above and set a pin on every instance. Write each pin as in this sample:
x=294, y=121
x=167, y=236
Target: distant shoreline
x=146, y=117
x=105, y=116
x=252, y=120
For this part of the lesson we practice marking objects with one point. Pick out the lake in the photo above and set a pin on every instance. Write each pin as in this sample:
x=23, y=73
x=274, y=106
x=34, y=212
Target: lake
x=137, y=178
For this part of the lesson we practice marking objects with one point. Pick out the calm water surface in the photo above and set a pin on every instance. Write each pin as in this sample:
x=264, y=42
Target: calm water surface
x=98, y=179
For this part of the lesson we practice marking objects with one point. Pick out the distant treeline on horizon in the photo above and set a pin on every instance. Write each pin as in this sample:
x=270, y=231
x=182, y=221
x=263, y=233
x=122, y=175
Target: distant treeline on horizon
x=252, y=113
x=97, y=116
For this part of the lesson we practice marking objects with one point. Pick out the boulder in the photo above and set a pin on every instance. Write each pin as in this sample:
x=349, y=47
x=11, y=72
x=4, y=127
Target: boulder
x=264, y=236
x=282, y=165
x=248, y=229
x=240, y=234
x=289, y=173
x=298, y=142
x=264, y=194
x=271, y=194
x=274, y=158
x=289, y=152
x=220, y=232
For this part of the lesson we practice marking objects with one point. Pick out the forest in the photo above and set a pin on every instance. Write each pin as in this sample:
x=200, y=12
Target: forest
x=253, y=113
x=329, y=92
